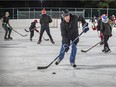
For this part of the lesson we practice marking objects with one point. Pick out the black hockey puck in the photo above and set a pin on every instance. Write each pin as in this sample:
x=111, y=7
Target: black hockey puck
x=53, y=72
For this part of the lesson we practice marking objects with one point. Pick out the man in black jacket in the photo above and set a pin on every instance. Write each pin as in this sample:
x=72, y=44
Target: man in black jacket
x=7, y=27
x=69, y=32
x=107, y=32
x=44, y=21
x=32, y=28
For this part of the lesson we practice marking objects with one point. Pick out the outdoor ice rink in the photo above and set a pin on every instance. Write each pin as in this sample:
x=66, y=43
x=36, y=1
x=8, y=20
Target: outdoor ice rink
x=19, y=59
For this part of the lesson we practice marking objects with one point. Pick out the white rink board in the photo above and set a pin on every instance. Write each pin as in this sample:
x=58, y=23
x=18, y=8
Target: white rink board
x=19, y=23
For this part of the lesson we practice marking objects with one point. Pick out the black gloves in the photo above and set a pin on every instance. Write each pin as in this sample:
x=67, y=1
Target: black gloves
x=66, y=47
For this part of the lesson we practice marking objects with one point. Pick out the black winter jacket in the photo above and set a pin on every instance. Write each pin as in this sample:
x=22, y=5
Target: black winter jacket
x=5, y=19
x=105, y=28
x=33, y=25
x=69, y=31
x=45, y=19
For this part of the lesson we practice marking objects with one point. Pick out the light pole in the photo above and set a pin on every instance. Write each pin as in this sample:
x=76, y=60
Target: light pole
x=41, y=3
x=107, y=9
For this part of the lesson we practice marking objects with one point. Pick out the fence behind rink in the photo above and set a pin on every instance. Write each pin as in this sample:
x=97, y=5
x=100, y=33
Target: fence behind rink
x=25, y=14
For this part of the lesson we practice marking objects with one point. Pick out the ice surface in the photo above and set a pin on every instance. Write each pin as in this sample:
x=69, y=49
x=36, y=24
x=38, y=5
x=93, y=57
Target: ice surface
x=20, y=58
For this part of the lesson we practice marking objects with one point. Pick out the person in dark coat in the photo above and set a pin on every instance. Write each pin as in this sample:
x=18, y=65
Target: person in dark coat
x=7, y=27
x=99, y=27
x=69, y=32
x=44, y=21
x=32, y=28
x=107, y=32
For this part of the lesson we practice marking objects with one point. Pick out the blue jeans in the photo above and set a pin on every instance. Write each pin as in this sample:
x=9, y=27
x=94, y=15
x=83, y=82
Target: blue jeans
x=72, y=55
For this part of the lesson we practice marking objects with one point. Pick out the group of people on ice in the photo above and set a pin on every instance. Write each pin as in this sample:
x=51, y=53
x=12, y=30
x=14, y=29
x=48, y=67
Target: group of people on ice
x=44, y=21
x=69, y=31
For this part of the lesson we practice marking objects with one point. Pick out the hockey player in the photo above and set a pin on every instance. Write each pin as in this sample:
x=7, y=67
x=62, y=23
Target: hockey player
x=69, y=31
x=113, y=21
x=94, y=22
x=106, y=30
x=32, y=28
x=44, y=21
x=6, y=26
x=99, y=27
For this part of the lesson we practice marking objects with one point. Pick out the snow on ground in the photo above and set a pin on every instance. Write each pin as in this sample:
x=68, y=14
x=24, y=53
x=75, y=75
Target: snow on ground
x=20, y=58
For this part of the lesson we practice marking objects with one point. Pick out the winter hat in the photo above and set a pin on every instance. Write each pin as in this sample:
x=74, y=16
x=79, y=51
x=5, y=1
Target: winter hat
x=65, y=13
x=35, y=21
x=105, y=18
x=43, y=11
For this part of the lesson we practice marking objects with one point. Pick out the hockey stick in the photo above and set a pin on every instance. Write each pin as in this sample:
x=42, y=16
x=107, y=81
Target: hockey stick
x=39, y=33
x=19, y=33
x=31, y=29
x=45, y=67
x=26, y=30
x=91, y=47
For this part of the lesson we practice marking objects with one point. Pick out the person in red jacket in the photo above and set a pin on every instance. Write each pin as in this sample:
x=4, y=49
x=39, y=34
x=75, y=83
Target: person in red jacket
x=113, y=21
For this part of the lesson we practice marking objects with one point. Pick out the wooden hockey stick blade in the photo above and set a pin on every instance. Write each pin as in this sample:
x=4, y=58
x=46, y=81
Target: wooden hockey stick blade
x=46, y=39
x=84, y=51
x=26, y=30
x=42, y=67
x=24, y=35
